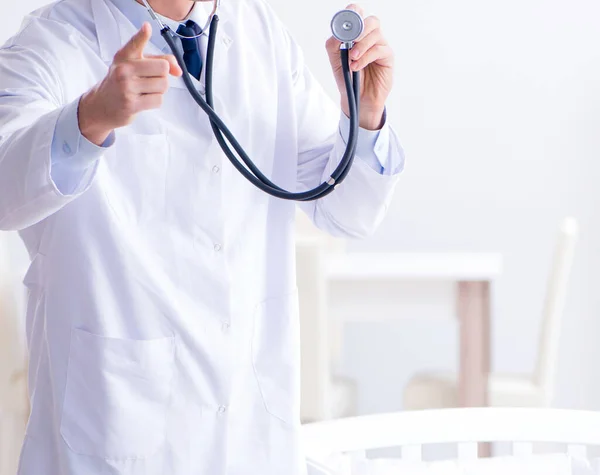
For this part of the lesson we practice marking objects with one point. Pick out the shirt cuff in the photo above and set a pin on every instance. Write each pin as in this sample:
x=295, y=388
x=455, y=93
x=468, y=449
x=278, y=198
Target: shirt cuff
x=372, y=146
x=73, y=156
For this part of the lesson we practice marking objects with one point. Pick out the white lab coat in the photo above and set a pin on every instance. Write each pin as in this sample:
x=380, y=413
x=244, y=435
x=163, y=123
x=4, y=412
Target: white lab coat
x=162, y=314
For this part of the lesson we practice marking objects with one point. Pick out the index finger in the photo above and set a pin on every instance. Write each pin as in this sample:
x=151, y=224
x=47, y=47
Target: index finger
x=371, y=23
x=134, y=49
x=356, y=8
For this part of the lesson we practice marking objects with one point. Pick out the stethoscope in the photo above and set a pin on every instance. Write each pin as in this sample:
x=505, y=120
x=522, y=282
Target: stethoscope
x=347, y=26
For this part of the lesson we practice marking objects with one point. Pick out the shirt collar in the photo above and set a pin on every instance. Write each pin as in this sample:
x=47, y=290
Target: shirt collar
x=137, y=14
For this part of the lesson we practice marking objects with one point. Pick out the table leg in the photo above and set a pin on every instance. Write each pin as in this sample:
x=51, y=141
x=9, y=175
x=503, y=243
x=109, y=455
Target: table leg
x=474, y=317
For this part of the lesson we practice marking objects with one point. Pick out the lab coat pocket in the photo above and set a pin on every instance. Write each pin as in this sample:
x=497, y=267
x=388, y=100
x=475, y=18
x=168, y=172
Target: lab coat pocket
x=276, y=356
x=137, y=171
x=117, y=396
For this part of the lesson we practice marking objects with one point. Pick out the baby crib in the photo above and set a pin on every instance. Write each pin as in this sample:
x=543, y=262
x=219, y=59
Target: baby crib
x=338, y=447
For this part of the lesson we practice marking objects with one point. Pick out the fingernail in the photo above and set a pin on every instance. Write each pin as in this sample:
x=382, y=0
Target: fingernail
x=355, y=54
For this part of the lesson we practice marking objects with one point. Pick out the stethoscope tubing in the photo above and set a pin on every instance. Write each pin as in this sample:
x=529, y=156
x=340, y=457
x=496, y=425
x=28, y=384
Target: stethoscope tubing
x=156, y=18
x=222, y=132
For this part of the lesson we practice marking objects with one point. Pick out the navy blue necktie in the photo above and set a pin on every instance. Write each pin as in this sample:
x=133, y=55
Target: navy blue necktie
x=191, y=47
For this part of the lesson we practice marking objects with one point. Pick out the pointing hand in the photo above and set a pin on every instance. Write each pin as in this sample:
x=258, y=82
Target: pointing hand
x=134, y=83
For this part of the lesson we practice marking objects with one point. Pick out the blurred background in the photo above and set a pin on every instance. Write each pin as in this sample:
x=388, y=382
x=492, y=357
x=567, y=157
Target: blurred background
x=497, y=105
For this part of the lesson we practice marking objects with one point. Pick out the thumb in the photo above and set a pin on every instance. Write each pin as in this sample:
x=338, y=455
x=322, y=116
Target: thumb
x=134, y=49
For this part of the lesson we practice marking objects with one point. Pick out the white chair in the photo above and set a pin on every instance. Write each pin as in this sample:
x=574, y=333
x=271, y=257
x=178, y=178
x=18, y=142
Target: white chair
x=431, y=390
x=339, y=447
x=323, y=396
x=14, y=407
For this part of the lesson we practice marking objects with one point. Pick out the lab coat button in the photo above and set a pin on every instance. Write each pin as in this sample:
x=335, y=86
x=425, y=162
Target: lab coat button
x=222, y=409
x=225, y=326
x=216, y=169
x=217, y=247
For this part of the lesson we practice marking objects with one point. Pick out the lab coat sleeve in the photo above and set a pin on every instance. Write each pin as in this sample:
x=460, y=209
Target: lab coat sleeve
x=369, y=145
x=73, y=156
x=359, y=204
x=365, y=145
x=31, y=103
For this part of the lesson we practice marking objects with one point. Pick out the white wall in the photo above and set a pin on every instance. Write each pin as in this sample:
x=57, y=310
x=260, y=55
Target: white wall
x=498, y=107
x=13, y=13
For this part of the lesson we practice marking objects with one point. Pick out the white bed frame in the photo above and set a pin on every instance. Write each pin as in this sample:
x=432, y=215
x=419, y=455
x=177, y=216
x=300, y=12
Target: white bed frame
x=465, y=428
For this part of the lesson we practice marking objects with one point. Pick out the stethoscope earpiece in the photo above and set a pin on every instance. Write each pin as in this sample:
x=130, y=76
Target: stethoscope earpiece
x=347, y=26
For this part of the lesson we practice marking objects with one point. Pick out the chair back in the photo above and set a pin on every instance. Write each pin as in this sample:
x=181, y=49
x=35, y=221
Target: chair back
x=554, y=305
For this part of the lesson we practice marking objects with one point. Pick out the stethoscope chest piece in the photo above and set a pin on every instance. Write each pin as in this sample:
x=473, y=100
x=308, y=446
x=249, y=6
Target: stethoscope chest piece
x=347, y=26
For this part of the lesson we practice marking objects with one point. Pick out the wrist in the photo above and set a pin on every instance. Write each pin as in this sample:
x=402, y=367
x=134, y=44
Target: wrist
x=370, y=118
x=90, y=124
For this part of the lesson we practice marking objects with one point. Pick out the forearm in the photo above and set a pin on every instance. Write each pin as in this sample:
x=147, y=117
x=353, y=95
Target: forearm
x=27, y=191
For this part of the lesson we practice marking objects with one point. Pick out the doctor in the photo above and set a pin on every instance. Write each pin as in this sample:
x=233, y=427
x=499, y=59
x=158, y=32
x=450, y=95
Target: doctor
x=162, y=319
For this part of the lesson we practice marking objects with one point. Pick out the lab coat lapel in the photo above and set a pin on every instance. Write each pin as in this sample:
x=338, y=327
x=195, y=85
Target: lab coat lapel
x=114, y=30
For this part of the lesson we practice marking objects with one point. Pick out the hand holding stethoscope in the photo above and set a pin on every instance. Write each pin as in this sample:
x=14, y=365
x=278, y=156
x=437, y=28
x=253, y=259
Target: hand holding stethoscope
x=374, y=57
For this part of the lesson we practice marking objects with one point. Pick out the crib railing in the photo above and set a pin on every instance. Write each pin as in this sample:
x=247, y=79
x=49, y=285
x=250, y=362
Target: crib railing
x=464, y=428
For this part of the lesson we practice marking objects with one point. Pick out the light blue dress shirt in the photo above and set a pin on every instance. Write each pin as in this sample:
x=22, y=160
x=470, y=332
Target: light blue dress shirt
x=73, y=156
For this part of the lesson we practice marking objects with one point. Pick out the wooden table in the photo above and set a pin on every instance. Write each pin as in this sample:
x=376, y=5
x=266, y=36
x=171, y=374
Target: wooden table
x=472, y=273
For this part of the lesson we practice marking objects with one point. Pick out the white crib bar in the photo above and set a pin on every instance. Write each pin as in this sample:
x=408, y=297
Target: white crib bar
x=573, y=430
x=315, y=468
x=522, y=449
x=577, y=451
x=468, y=451
x=412, y=453
x=357, y=456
